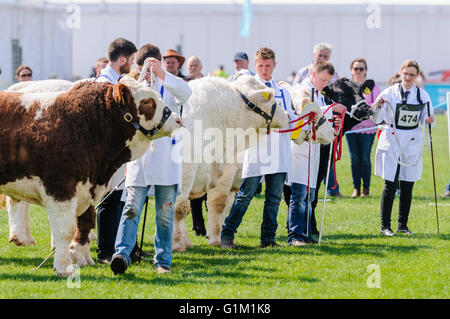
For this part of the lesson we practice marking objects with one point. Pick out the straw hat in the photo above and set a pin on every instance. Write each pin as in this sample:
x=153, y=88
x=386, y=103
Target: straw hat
x=173, y=53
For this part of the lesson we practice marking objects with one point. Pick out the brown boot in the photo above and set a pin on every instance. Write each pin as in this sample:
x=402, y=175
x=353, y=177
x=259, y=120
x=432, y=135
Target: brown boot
x=356, y=193
x=365, y=192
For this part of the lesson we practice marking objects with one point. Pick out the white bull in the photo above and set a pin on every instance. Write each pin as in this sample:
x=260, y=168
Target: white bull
x=219, y=107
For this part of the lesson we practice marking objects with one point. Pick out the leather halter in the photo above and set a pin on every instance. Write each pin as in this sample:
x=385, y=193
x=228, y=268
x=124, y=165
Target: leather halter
x=148, y=133
x=252, y=106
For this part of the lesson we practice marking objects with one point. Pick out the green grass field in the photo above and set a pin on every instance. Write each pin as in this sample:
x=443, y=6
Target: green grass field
x=352, y=257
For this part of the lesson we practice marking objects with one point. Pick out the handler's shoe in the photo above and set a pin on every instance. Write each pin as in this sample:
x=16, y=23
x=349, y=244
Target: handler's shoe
x=227, y=243
x=106, y=260
x=387, y=232
x=270, y=244
x=446, y=194
x=118, y=264
x=405, y=230
x=298, y=243
x=163, y=270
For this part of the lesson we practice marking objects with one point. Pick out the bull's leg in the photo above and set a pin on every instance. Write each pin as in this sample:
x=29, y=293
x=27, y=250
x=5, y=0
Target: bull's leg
x=219, y=205
x=62, y=217
x=19, y=222
x=180, y=238
x=80, y=246
x=179, y=242
x=219, y=201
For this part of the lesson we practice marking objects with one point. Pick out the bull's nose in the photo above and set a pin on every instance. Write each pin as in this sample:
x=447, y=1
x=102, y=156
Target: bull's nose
x=179, y=121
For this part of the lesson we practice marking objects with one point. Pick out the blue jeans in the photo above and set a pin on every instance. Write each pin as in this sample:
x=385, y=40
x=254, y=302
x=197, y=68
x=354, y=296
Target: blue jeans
x=298, y=216
x=165, y=197
x=360, y=147
x=331, y=182
x=447, y=188
x=274, y=190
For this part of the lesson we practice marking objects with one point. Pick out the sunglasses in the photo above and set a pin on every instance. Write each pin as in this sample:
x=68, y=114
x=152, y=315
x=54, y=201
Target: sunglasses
x=25, y=75
x=359, y=69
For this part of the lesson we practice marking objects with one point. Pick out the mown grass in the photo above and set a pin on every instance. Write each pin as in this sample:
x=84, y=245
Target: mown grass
x=410, y=267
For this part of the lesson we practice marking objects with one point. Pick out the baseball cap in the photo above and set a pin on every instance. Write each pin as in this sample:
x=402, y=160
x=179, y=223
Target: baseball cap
x=241, y=56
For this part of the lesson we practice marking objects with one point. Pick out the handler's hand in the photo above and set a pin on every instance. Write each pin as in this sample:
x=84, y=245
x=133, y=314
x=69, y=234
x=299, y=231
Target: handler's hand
x=429, y=119
x=157, y=67
x=337, y=121
x=316, y=118
x=379, y=103
x=339, y=108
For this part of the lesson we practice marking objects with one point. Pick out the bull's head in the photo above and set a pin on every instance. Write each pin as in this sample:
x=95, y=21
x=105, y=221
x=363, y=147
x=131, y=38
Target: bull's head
x=154, y=117
x=263, y=97
x=324, y=131
x=350, y=94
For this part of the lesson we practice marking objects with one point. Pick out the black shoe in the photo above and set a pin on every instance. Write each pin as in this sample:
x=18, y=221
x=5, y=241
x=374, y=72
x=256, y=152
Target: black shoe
x=405, y=230
x=387, y=232
x=118, y=264
x=313, y=241
x=269, y=244
x=227, y=243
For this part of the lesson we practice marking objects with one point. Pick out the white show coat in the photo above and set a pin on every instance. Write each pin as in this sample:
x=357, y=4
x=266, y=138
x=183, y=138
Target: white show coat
x=272, y=153
x=300, y=153
x=162, y=162
x=411, y=141
x=107, y=74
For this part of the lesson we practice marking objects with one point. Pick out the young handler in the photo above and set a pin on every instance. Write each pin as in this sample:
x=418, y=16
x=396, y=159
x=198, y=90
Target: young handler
x=398, y=157
x=159, y=171
x=275, y=170
x=305, y=159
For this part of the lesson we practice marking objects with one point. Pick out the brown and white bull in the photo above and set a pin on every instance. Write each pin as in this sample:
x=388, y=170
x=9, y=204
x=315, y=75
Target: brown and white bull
x=215, y=107
x=60, y=149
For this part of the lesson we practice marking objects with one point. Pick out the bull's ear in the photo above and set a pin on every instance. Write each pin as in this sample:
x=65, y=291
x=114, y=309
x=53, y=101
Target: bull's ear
x=367, y=86
x=121, y=94
x=328, y=95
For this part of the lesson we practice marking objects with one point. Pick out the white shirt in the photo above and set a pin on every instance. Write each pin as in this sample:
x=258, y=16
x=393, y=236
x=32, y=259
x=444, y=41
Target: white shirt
x=162, y=162
x=395, y=143
x=272, y=153
x=107, y=74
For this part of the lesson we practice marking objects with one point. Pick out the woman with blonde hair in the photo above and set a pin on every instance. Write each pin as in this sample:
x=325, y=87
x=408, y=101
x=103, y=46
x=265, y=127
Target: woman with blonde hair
x=398, y=158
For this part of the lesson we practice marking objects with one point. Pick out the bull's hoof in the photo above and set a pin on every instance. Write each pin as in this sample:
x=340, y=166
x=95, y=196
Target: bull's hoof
x=214, y=242
x=81, y=254
x=64, y=271
x=178, y=247
x=24, y=241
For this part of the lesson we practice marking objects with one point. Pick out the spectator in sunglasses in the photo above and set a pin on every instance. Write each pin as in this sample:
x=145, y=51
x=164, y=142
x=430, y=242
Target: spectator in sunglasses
x=24, y=73
x=360, y=144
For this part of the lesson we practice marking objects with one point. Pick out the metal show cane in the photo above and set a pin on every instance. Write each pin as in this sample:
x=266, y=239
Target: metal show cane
x=143, y=230
x=432, y=165
x=103, y=199
x=325, y=191
x=308, y=206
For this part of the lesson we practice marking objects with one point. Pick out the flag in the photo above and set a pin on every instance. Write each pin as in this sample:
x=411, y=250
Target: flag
x=247, y=15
